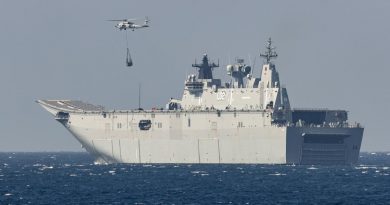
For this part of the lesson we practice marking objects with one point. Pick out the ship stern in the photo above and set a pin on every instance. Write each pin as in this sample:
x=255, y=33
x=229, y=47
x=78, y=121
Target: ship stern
x=323, y=145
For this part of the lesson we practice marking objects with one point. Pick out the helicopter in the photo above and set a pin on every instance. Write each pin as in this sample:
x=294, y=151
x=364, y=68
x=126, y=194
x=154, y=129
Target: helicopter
x=124, y=24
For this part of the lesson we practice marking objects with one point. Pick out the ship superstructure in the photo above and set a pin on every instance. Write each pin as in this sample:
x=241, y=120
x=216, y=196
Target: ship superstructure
x=245, y=120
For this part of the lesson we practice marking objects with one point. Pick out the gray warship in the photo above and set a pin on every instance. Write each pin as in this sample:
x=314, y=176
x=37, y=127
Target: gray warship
x=245, y=121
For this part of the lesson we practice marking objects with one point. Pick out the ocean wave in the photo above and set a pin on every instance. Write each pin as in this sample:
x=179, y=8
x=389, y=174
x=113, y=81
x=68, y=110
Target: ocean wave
x=277, y=174
x=366, y=167
x=44, y=167
x=112, y=172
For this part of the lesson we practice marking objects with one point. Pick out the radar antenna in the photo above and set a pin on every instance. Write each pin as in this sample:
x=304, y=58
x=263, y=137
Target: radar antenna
x=269, y=53
x=205, y=68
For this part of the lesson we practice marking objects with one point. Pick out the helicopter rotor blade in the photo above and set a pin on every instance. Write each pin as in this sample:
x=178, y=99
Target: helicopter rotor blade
x=122, y=19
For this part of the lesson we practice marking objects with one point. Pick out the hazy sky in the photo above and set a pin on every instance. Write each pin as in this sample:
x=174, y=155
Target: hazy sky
x=332, y=54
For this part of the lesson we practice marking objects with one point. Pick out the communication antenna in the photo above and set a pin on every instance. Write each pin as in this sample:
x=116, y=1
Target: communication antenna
x=253, y=64
x=139, y=96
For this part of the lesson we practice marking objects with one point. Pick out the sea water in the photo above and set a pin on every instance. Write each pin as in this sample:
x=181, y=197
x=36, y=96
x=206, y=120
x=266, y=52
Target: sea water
x=73, y=178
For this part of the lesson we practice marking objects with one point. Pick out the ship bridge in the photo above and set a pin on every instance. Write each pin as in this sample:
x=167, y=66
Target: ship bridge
x=243, y=92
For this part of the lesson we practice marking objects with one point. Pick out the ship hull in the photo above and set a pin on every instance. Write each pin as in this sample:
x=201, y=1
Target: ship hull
x=282, y=145
x=323, y=145
x=267, y=148
x=214, y=136
x=215, y=142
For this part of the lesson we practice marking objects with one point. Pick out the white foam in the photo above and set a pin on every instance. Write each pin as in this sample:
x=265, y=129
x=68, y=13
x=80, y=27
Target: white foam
x=7, y=194
x=111, y=172
x=313, y=168
x=277, y=174
x=100, y=163
x=366, y=167
x=199, y=172
x=361, y=167
x=73, y=175
x=45, y=167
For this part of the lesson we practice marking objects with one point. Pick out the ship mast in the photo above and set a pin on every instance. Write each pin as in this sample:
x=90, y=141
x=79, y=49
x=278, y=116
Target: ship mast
x=205, y=68
x=269, y=53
